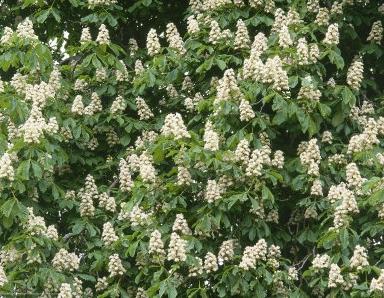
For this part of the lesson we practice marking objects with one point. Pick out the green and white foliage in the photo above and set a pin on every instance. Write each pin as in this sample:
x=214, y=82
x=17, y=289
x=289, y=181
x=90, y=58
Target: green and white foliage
x=221, y=148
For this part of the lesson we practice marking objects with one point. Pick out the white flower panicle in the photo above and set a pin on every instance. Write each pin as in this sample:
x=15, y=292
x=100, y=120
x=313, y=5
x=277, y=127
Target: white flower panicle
x=7, y=36
x=156, y=245
x=78, y=105
x=143, y=109
x=115, y=267
x=314, y=53
x=293, y=274
x=174, y=39
x=210, y=263
x=35, y=225
x=133, y=46
x=103, y=35
x=285, y=40
x=212, y=191
x=377, y=284
x=243, y=151
x=280, y=20
x=181, y=225
x=327, y=137
x=348, y=206
x=196, y=269
x=366, y=140
x=65, y=261
x=125, y=177
x=101, y=284
x=193, y=25
x=153, y=44
x=6, y=168
x=246, y=112
x=146, y=169
x=255, y=164
x=147, y=137
x=355, y=74
x=359, y=260
x=94, y=106
x=3, y=277
x=215, y=34
x=308, y=90
x=242, y=40
x=108, y=235
x=210, y=137
x=252, y=254
x=226, y=252
x=107, y=202
x=122, y=74
x=65, y=291
x=101, y=74
x=302, y=51
x=227, y=87
x=183, y=176
x=376, y=34
x=278, y=159
x=259, y=44
x=353, y=177
x=174, y=126
x=256, y=3
x=94, y=3
x=25, y=30
x=177, y=249
x=338, y=192
x=332, y=35
x=87, y=194
x=273, y=73
x=321, y=262
x=118, y=105
x=335, y=278
x=310, y=156
x=317, y=188
x=137, y=216
x=19, y=82
x=322, y=18
x=52, y=233
x=80, y=84
x=139, y=67
x=313, y=6
x=85, y=35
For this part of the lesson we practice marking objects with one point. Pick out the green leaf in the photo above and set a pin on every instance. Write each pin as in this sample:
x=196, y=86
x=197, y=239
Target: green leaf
x=43, y=15
x=23, y=169
x=348, y=96
x=7, y=208
x=37, y=171
x=336, y=59
x=325, y=110
x=267, y=194
x=221, y=64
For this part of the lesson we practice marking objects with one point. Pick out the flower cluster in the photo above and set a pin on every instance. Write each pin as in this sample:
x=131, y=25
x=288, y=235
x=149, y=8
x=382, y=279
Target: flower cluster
x=153, y=44
x=115, y=267
x=174, y=39
x=108, y=236
x=174, y=126
x=177, y=248
x=310, y=156
x=359, y=258
x=252, y=254
x=63, y=260
x=156, y=245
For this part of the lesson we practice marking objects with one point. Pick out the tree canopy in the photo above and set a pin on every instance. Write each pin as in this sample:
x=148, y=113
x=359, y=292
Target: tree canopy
x=216, y=148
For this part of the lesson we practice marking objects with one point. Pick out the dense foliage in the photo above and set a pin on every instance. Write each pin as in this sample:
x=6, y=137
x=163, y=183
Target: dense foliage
x=223, y=148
